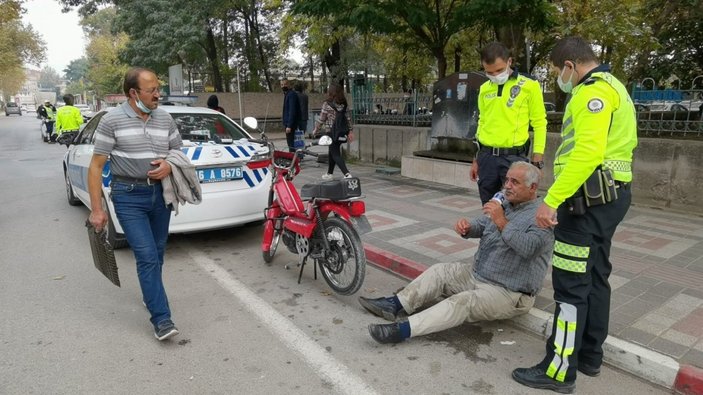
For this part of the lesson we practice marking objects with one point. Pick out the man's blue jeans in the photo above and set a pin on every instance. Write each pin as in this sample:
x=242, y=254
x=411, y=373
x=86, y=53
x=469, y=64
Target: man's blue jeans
x=144, y=218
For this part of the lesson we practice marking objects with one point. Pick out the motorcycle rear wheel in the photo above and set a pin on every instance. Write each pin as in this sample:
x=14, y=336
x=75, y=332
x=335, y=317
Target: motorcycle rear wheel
x=345, y=267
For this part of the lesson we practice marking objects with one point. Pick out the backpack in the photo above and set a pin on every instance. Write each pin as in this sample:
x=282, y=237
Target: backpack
x=340, y=127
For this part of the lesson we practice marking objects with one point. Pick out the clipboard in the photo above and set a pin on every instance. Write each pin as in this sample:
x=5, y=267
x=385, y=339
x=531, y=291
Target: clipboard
x=103, y=253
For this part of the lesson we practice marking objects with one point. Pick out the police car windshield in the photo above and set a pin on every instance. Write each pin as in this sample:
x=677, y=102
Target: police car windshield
x=207, y=127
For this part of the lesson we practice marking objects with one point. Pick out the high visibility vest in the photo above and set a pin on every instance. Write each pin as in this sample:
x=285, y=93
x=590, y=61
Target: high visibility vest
x=599, y=129
x=506, y=112
x=68, y=118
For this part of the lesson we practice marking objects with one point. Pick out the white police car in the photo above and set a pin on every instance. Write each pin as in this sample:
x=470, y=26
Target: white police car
x=234, y=173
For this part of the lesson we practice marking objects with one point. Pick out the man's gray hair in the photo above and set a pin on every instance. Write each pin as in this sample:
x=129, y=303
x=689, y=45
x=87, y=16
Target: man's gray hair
x=532, y=173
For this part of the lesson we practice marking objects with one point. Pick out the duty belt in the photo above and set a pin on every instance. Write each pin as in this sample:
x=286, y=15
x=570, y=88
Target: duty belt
x=519, y=150
x=135, y=181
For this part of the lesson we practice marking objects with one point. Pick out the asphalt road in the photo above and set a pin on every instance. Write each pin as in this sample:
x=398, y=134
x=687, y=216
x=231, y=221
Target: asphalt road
x=246, y=328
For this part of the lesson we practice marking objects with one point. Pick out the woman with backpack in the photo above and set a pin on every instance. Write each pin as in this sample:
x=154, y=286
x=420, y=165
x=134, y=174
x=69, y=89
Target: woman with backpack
x=337, y=121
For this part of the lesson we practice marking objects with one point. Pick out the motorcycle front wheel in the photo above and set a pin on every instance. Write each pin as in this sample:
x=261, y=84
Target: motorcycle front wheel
x=276, y=237
x=344, y=268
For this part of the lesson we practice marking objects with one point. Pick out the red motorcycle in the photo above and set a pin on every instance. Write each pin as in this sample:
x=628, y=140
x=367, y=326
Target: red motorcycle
x=322, y=223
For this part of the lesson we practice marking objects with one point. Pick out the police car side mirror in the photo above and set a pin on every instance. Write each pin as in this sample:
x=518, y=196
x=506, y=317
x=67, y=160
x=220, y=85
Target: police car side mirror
x=251, y=123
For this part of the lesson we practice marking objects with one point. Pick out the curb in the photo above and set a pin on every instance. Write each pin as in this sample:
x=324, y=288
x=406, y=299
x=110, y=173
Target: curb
x=644, y=363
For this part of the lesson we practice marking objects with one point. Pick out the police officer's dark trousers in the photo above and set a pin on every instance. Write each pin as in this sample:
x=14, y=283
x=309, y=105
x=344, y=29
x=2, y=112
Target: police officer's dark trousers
x=580, y=271
x=491, y=172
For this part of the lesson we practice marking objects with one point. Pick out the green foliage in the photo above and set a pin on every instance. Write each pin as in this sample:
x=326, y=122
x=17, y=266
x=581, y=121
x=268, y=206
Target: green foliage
x=48, y=78
x=76, y=69
x=19, y=44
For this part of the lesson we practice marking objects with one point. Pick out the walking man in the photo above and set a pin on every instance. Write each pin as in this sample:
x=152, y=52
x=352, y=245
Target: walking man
x=137, y=137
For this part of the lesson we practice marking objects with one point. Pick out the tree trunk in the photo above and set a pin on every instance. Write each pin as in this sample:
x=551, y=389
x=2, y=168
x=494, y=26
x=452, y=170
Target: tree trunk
x=457, y=59
x=211, y=51
x=312, y=73
x=257, y=37
x=441, y=64
x=333, y=60
x=225, y=53
x=513, y=37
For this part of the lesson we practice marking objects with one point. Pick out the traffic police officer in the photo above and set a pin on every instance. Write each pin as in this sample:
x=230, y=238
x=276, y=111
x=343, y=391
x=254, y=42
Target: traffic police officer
x=68, y=118
x=48, y=113
x=599, y=134
x=508, y=104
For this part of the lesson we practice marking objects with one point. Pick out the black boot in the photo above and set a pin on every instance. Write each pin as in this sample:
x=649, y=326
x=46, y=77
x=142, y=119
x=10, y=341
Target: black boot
x=382, y=307
x=386, y=333
x=536, y=377
x=589, y=370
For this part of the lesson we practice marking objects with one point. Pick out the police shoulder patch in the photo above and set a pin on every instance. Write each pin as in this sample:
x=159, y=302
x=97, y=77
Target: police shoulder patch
x=595, y=105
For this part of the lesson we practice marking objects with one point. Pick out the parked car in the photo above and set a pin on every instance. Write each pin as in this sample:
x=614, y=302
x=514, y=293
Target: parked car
x=85, y=110
x=233, y=170
x=12, y=108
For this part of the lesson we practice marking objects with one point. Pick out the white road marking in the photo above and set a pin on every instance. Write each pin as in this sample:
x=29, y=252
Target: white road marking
x=313, y=354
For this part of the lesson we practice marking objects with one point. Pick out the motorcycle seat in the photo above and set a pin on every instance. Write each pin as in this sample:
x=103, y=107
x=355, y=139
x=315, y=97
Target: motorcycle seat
x=345, y=188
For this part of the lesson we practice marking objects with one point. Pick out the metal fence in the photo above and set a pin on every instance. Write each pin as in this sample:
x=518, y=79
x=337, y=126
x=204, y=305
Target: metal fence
x=393, y=109
x=669, y=112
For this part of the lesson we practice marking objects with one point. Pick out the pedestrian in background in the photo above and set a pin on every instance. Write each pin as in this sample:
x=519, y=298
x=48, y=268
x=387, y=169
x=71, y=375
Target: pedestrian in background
x=508, y=103
x=213, y=103
x=303, y=100
x=599, y=134
x=291, y=114
x=137, y=137
x=334, y=106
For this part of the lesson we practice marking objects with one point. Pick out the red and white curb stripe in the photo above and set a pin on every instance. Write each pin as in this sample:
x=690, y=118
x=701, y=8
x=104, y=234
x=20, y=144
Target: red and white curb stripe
x=649, y=365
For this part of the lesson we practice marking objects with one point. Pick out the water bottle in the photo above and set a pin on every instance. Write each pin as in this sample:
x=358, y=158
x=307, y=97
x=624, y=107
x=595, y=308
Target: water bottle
x=498, y=197
x=299, y=141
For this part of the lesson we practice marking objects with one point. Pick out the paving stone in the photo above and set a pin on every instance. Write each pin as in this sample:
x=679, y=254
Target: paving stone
x=654, y=323
x=679, y=338
x=668, y=347
x=693, y=357
x=638, y=336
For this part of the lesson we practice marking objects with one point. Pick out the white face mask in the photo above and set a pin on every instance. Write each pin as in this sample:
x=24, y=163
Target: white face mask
x=501, y=78
x=567, y=86
x=141, y=106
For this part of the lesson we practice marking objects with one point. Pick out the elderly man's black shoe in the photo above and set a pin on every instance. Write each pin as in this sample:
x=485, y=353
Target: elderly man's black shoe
x=382, y=307
x=386, y=333
x=536, y=377
x=589, y=370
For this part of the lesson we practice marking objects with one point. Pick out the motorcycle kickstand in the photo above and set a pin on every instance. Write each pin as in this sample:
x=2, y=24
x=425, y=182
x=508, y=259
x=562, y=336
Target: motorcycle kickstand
x=302, y=266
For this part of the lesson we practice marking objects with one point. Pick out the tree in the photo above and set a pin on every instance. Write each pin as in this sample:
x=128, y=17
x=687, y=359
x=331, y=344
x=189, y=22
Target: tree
x=19, y=44
x=76, y=69
x=431, y=23
x=48, y=78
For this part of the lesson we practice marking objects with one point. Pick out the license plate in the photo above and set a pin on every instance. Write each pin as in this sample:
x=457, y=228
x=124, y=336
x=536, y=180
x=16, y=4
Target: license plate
x=218, y=174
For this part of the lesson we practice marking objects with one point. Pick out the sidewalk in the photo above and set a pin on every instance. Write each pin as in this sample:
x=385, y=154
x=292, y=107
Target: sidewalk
x=656, y=325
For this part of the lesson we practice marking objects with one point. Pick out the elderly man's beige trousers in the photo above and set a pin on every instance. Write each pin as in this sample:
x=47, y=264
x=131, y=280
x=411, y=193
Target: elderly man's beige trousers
x=470, y=300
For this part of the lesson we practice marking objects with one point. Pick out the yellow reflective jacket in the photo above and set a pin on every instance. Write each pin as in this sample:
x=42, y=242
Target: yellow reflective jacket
x=506, y=111
x=68, y=118
x=599, y=128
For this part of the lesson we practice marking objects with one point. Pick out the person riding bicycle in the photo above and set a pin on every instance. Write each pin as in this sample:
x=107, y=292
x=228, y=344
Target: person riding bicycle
x=68, y=118
x=47, y=113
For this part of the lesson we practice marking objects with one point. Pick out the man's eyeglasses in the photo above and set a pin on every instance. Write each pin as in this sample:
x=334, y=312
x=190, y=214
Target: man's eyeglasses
x=150, y=91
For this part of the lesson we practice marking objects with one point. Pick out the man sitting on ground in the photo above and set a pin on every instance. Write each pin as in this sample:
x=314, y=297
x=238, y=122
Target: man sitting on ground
x=508, y=270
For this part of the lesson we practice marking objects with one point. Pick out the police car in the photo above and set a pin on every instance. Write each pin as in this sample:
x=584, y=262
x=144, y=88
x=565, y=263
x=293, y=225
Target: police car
x=233, y=172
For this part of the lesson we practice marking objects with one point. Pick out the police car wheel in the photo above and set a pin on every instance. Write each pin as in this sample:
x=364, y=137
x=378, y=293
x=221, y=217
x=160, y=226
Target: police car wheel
x=72, y=199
